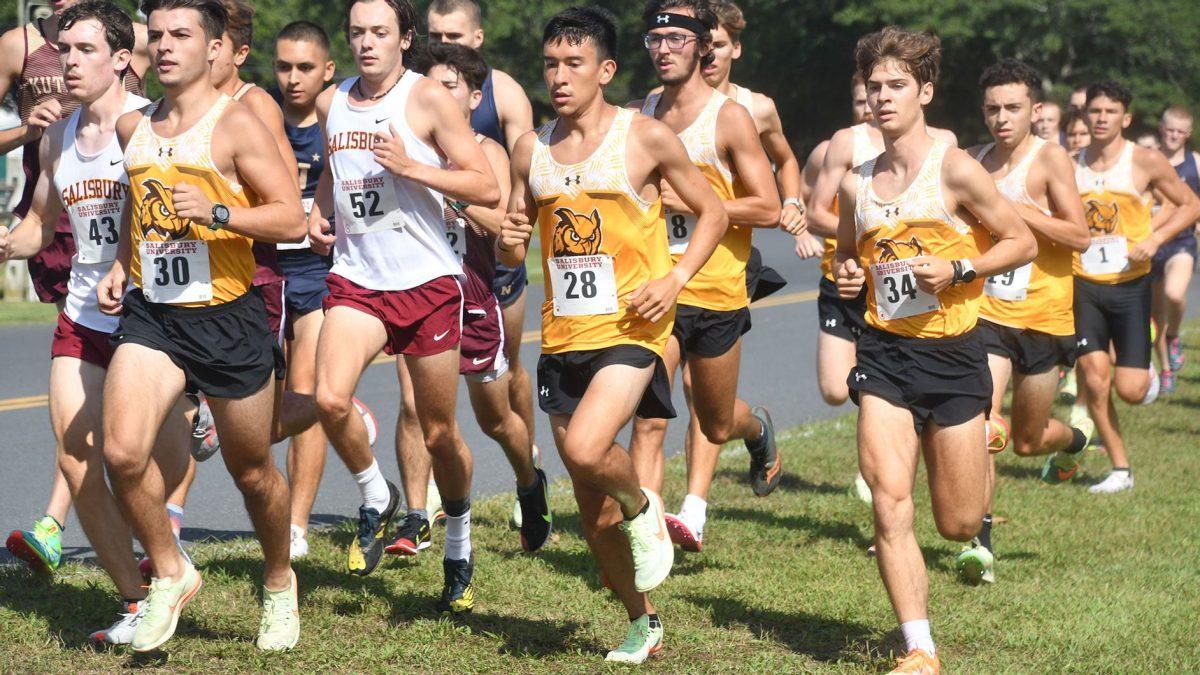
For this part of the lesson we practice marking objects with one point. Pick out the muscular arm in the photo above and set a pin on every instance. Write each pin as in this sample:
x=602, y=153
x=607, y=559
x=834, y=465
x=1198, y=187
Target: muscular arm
x=975, y=190
x=36, y=229
x=513, y=108
x=470, y=180
x=839, y=153
x=491, y=219
x=141, y=53
x=1066, y=226
x=522, y=211
x=770, y=130
x=739, y=138
x=1164, y=181
x=264, y=107
x=12, y=58
x=279, y=216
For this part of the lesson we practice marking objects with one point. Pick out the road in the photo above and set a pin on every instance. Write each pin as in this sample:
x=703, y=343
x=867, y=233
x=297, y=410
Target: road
x=778, y=370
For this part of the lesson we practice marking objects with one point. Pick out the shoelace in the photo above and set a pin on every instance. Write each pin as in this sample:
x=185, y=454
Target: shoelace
x=368, y=521
x=639, y=633
x=273, y=612
x=156, y=604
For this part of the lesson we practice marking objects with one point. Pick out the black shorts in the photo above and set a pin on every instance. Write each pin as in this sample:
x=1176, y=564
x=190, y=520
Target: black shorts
x=509, y=283
x=224, y=351
x=708, y=333
x=761, y=280
x=305, y=272
x=1031, y=352
x=564, y=378
x=945, y=380
x=845, y=319
x=1116, y=313
x=1184, y=243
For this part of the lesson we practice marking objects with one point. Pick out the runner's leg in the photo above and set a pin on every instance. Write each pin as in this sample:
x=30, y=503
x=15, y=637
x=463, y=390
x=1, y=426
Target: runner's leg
x=646, y=444
x=490, y=401
x=349, y=340
x=835, y=358
x=307, y=450
x=520, y=387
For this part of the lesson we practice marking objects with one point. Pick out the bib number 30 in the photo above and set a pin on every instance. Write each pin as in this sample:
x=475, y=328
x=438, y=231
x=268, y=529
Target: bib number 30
x=176, y=272
x=583, y=285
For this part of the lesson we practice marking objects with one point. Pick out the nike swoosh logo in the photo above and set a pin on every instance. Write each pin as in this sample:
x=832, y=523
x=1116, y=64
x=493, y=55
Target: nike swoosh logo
x=480, y=362
x=437, y=338
x=381, y=121
x=112, y=163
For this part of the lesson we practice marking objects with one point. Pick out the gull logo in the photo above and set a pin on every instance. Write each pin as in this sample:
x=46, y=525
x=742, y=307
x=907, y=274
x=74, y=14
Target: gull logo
x=479, y=361
x=830, y=323
x=663, y=19
x=859, y=377
x=439, y=336
x=544, y=391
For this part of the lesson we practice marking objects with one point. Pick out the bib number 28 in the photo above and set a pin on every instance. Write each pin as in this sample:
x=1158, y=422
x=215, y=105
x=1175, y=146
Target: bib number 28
x=583, y=285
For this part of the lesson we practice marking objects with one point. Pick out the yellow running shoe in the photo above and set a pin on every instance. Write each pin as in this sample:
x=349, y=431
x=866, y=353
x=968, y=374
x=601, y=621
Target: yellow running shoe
x=917, y=662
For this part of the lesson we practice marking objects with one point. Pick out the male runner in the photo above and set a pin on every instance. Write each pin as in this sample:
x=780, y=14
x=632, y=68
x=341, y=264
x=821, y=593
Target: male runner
x=1078, y=99
x=205, y=177
x=1115, y=179
x=81, y=173
x=1025, y=317
x=590, y=180
x=29, y=59
x=1046, y=127
x=712, y=312
x=1076, y=134
x=471, y=232
x=915, y=219
x=1171, y=268
x=396, y=143
x=503, y=114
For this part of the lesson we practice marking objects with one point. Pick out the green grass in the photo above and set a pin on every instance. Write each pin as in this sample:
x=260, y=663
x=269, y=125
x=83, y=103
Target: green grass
x=20, y=312
x=1085, y=583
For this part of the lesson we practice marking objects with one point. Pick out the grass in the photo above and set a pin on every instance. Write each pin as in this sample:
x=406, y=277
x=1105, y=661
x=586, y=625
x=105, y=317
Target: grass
x=22, y=312
x=1085, y=583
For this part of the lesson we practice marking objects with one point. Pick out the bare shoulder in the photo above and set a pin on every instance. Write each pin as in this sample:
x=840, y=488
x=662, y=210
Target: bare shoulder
x=944, y=135
x=1053, y=154
x=12, y=51
x=262, y=103
x=502, y=81
x=325, y=99
x=493, y=149
x=732, y=113
x=127, y=122
x=762, y=107
x=1151, y=160
x=649, y=131
x=817, y=156
x=959, y=169
x=974, y=150
x=239, y=117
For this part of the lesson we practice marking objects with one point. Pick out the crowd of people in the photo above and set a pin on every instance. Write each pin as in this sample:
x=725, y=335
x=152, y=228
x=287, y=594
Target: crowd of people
x=194, y=241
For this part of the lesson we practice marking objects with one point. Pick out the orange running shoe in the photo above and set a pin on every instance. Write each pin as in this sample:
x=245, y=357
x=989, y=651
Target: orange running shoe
x=997, y=434
x=918, y=662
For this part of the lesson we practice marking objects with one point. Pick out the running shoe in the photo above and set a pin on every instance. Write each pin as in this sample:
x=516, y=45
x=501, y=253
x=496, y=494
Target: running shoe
x=1062, y=466
x=367, y=547
x=996, y=434
x=917, y=662
x=433, y=504
x=121, y=631
x=458, y=595
x=1116, y=481
x=766, y=465
x=682, y=535
x=205, y=442
x=1175, y=355
x=146, y=567
x=412, y=537
x=1166, y=382
x=1153, y=390
x=642, y=642
x=368, y=419
x=1069, y=388
x=974, y=564
x=516, y=514
x=279, y=628
x=40, y=547
x=653, y=553
x=535, y=529
x=299, y=545
x=163, y=605
x=861, y=490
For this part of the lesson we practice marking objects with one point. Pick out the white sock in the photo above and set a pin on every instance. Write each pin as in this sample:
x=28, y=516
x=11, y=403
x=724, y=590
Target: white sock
x=373, y=487
x=458, y=536
x=916, y=636
x=694, y=512
x=1152, y=392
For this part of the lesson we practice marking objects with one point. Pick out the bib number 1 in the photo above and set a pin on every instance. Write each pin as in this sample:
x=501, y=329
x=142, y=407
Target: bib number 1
x=1106, y=255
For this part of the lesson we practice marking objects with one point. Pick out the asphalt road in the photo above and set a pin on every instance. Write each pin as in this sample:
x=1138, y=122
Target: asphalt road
x=778, y=370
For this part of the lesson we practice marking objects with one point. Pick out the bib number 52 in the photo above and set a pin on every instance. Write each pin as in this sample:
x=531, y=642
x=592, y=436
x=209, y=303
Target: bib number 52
x=364, y=204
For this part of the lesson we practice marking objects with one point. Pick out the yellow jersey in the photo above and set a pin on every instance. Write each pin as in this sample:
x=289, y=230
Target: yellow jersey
x=863, y=150
x=911, y=224
x=1118, y=218
x=600, y=241
x=175, y=260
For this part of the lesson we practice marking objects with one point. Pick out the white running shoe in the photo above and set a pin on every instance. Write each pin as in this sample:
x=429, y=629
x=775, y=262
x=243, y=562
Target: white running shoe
x=861, y=489
x=1116, y=481
x=121, y=632
x=1155, y=385
x=368, y=419
x=653, y=553
x=299, y=542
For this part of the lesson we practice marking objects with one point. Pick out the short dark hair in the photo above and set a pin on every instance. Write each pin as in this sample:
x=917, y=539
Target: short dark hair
x=701, y=9
x=213, y=15
x=469, y=7
x=463, y=60
x=240, y=24
x=918, y=52
x=579, y=24
x=1112, y=89
x=305, y=31
x=406, y=15
x=1012, y=71
x=118, y=27
x=731, y=18
x=1073, y=115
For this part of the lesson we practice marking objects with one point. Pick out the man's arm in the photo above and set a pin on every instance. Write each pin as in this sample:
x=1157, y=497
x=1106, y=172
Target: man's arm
x=787, y=168
x=492, y=219
x=839, y=153
x=320, y=233
x=1066, y=226
x=12, y=58
x=513, y=243
x=513, y=108
x=36, y=229
x=262, y=105
x=1165, y=182
x=737, y=133
x=848, y=273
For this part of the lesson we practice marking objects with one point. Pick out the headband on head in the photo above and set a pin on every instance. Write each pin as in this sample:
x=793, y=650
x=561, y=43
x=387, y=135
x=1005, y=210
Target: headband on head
x=672, y=20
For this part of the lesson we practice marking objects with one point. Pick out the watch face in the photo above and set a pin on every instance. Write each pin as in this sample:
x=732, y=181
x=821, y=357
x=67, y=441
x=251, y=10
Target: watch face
x=221, y=212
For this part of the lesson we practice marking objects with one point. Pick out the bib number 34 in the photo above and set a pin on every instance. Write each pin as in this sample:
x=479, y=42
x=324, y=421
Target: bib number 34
x=897, y=295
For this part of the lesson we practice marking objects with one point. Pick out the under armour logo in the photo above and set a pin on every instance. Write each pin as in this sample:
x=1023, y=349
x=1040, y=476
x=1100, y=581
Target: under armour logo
x=891, y=212
x=859, y=377
x=544, y=391
x=170, y=152
x=830, y=323
x=662, y=19
x=568, y=181
x=1081, y=343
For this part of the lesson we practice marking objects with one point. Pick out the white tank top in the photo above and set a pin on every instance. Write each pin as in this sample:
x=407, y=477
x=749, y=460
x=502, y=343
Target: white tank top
x=864, y=149
x=921, y=200
x=93, y=190
x=1117, y=178
x=1014, y=185
x=390, y=231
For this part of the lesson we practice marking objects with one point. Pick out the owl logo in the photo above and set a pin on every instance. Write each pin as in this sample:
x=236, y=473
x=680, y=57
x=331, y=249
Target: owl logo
x=156, y=212
x=576, y=234
x=892, y=250
x=1102, y=217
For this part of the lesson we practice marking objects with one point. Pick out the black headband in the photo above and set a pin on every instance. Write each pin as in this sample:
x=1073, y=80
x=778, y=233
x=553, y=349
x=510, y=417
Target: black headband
x=672, y=20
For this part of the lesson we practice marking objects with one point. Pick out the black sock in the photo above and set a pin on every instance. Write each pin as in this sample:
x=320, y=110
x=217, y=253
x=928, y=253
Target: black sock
x=456, y=507
x=1078, y=442
x=642, y=510
x=1124, y=469
x=985, y=532
x=532, y=489
x=654, y=622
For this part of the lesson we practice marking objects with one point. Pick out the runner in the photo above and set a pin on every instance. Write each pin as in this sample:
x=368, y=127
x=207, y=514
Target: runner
x=1046, y=127
x=917, y=217
x=1075, y=131
x=396, y=143
x=503, y=114
x=712, y=312
x=1112, y=277
x=29, y=59
x=205, y=177
x=1025, y=317
x=589, y=179
x=1172, y=265
x=471, y=232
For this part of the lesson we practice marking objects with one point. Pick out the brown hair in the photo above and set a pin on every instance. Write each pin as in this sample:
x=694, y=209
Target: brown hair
x=1073, y=116
x=855, y=80
x=919, y=53
x=240, y=25
x=730, y=17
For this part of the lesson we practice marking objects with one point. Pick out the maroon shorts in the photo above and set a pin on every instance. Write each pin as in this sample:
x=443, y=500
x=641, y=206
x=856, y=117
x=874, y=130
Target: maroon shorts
x=419, y=321
x=50, y=270
x=80, y=342
x=482, y=353
x=272, y=295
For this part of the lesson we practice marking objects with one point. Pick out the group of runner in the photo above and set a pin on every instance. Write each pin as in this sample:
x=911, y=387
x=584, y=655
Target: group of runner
x=192, y=241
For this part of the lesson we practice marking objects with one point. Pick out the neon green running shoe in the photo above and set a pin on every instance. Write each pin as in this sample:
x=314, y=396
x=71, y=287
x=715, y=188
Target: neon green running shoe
x=164, y=603
x=40, y=547
x=279, y=628
x=1061, y=466
x=642, y=642
x=974, y=564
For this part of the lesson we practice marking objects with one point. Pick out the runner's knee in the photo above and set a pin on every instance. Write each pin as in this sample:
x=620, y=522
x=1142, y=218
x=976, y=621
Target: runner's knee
x=331, y=404
x=959, y=524
x=1133, y=391
x=718, y=431
x=123, y=461
x=835, y=393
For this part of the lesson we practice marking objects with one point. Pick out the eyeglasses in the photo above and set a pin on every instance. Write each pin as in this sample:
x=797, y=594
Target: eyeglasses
x=675, y=41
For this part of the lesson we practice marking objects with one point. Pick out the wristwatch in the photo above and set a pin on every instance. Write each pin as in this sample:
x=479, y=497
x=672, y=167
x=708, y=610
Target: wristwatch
x=793, y=201
x=220, y=217
x=964, y=271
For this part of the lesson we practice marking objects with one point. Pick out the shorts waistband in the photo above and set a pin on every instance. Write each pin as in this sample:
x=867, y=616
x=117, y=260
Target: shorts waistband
x=892, y=338
x=195, y=312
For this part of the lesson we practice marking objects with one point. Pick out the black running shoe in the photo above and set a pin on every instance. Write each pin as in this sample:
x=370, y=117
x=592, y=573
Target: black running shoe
x=536, y=519
x=367, y=547
x=458, y=595
x=412, y=536
x=766, y=465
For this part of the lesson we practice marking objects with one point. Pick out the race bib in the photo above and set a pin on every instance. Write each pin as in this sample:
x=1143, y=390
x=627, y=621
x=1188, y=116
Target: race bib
x=102, y=233
x=456, y=236
x=176, y=272
x=583, y=285
x=367, y=205
x=679, y=231
x=896, y=293
x=1012, y=286
x=307, y=202
x=1106, y=255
